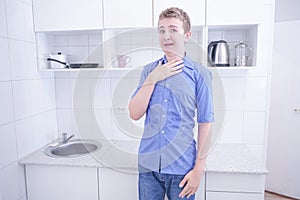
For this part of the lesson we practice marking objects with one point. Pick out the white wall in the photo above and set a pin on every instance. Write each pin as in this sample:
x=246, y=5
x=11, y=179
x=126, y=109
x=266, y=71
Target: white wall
x=27, y=105
x=287, y=10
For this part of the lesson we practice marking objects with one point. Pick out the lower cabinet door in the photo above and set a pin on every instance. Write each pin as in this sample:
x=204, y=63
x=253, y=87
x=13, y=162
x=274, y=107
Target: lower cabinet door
x=200, y=194
x=211, y=195
x=114, y=184
x=61, y=183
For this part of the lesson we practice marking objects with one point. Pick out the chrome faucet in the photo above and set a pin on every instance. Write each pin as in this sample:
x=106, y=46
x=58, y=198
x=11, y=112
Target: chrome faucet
x=65, y=139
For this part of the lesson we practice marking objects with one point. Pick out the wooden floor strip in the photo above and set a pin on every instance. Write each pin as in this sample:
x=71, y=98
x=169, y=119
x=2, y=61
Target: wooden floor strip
x=274, y=196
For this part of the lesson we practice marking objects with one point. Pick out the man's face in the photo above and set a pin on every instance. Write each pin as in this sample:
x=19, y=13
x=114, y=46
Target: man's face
x=172, y=37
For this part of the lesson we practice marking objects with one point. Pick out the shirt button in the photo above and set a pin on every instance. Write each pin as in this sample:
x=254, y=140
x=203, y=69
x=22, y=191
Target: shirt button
x=166, y=100
x=162, y=132
x=164, y=116
x=168, y=85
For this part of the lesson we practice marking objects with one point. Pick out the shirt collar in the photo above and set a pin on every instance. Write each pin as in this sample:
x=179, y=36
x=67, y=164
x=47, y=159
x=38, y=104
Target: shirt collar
x=186, y=59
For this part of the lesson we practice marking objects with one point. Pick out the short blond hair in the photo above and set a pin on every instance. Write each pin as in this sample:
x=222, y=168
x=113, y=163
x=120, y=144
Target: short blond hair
x=177, y=13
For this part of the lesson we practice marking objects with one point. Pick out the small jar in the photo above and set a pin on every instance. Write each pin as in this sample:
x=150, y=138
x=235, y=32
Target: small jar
x=242, y=54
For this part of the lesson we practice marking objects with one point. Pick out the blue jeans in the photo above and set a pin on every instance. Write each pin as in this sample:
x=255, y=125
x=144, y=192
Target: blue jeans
x=154, y=186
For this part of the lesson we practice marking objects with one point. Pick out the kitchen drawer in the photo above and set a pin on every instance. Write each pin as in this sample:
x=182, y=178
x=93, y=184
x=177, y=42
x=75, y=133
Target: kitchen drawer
x=233, y=196
x=235, y=182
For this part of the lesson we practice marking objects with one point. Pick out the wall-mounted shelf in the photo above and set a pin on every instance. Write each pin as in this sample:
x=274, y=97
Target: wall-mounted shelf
x=79, y=46
x=140, y=45
x=70, y=69
x=234, y=67
x=84, y=69
x=233, y=34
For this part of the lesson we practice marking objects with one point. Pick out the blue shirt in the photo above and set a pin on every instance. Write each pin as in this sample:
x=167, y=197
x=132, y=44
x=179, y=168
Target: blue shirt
x=168, y=144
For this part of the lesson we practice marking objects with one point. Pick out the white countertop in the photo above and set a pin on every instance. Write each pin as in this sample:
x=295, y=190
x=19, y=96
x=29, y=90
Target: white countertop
x=122, y=155
x=233, y=158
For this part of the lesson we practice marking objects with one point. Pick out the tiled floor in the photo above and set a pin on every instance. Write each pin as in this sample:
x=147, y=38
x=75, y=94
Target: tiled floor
x=272, y=196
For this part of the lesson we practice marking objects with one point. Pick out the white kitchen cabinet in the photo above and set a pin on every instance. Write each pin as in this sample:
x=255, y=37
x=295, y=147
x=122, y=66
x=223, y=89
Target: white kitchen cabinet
x=211, y=20
x=61, y=182
x=62, y=15
x=230, y=12
x=127, y=14
x=115, y=184
x=195, y=10
x=234, y=186
x=126, y=185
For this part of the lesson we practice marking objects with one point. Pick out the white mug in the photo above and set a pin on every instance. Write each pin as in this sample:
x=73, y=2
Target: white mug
x=123, y=60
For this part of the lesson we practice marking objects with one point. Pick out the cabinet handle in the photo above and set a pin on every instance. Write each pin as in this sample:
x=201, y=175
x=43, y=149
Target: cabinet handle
x=297, y=109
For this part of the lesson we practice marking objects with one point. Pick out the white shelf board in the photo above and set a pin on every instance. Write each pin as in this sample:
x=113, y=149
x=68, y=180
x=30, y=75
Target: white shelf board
x=83, y=69
x=69, y=69
x=127, y=69
x=234, y=67
x=232, y=27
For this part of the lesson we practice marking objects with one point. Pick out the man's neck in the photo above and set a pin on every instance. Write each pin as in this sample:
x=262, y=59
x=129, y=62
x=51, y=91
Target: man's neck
x=174, y=56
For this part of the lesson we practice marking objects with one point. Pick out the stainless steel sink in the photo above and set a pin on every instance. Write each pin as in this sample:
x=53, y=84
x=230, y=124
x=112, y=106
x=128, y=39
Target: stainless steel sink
x=72, y=148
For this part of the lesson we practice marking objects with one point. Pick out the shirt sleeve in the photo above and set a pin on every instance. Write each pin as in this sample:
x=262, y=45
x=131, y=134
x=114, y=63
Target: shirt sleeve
x=205, y=108
x=147, y=69
x=143, y=76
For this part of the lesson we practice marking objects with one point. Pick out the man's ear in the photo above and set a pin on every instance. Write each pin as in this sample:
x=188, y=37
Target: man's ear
x=187, y=36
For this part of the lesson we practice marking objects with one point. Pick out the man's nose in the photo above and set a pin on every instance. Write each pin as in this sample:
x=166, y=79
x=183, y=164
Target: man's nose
x=166, y=36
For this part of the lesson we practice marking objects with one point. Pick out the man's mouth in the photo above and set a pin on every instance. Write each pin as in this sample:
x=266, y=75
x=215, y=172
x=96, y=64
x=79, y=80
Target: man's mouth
x=168, y=44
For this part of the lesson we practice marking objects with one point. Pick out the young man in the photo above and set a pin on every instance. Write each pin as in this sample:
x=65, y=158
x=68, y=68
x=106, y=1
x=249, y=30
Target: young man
x=169, y=92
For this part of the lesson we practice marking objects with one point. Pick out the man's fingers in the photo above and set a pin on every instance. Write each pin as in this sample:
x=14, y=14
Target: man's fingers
x=187, y=192
x=183, y=192
x=163, y=71
x=159, y=63
x=174, y=63
x=183, y=182
x=191, y=193
x=178, y=67
x=175, y=72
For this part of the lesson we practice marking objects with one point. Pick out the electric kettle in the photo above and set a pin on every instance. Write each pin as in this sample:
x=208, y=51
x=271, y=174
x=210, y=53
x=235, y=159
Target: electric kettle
x=218, y=53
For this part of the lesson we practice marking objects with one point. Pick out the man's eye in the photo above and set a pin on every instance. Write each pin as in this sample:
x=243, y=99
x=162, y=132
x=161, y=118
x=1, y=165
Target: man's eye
x=173, y=30
x=161, y=31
